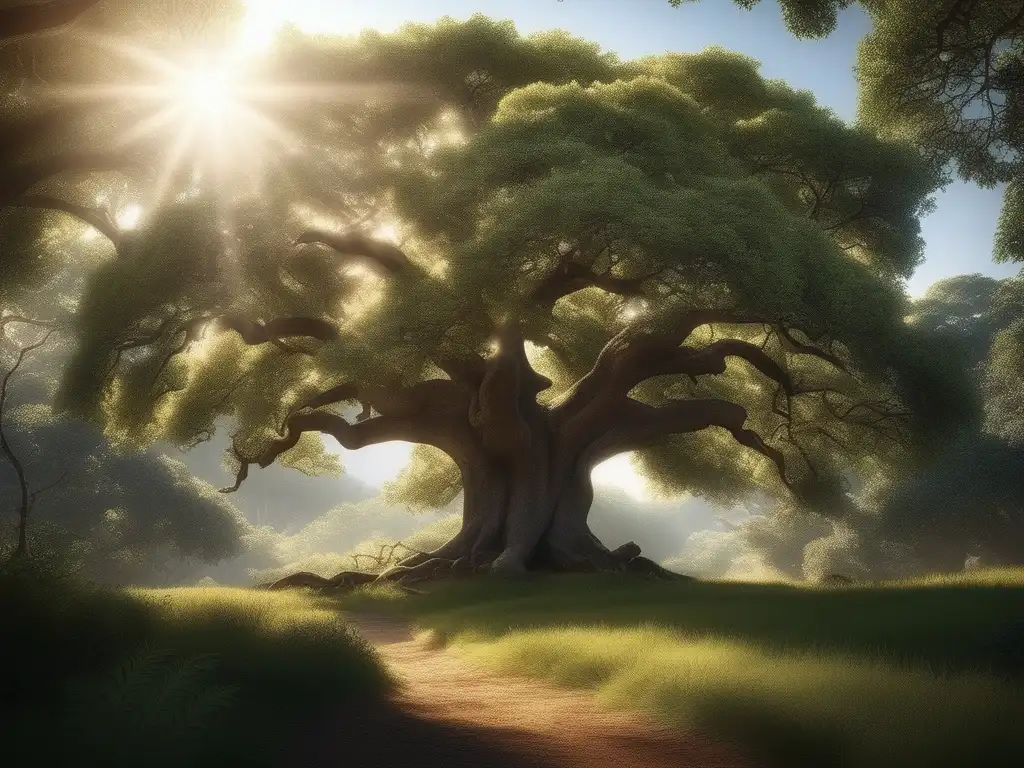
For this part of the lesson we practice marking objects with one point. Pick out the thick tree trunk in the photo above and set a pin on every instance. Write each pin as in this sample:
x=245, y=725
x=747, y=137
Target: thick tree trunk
x=526, y=466
x=518, y=517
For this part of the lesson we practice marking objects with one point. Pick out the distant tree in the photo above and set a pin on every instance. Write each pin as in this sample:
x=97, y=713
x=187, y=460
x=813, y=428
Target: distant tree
x=27, y=495
x=967, y=500
x=961, y=311
x=136, y=518
x=1003, y=387
x=970, y=502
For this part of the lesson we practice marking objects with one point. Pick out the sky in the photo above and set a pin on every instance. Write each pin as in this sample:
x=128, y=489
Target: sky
x=958, y=235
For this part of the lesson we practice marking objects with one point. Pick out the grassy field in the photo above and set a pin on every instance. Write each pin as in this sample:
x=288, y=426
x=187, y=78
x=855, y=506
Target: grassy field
x=175, y=677
x=886, y=674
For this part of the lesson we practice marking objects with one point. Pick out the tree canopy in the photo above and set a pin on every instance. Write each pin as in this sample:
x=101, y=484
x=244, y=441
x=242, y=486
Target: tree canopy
x=946, y=75
x=518, y=251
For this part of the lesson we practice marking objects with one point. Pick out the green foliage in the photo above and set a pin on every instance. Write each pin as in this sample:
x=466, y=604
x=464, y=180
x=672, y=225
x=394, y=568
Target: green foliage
x=968, y=502
x=113, y=517
x=943, y=76
x=243, y=674
x=310, y=457
x=953, y=112
x=151, y=703
x=960, y=309
x=495, y=157
x=1009, y=242
x=431, y=479
x=24, y=237
x=1004, y=403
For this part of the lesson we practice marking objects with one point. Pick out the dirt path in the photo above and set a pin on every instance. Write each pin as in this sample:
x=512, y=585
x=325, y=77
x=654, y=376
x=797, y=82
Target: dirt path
x=451, y=713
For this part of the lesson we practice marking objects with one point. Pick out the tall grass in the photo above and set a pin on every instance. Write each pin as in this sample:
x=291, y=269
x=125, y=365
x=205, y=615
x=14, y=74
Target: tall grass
x=176, y=677
x=888, y=674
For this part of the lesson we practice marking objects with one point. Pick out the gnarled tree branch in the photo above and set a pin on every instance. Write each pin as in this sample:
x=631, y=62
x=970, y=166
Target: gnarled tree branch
x=350, y=436
x=570, y=276
x=254, y=332
x=5, y=320
x=338, y=394
x=97, y=218
x=379, y=429
x=710, y=360
x=432, y=412
x=386, y=255
x=19, y=179
x=29, y=18
x=630, y=348
x=630, y=357
x=637, y=424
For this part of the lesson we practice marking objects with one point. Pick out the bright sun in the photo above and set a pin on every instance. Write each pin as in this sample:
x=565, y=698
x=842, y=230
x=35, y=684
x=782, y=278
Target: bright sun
x=205, y=93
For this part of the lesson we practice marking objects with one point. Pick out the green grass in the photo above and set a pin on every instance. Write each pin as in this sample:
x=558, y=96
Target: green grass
x=887, y=674
x=173, y=677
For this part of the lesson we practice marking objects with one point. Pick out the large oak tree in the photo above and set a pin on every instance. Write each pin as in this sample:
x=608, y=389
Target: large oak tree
x=525, y=256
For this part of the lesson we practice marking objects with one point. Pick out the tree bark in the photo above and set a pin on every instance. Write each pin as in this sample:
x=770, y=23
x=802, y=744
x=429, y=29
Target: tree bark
x=526, y=467
x=524, y=509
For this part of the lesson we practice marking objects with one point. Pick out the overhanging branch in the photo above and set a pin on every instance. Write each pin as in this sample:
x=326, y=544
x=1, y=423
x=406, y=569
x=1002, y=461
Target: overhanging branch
x=29, y=18
x=631, y=349
x=252, y=332
x=570, y=276
x=433, y=412
x=795, y=347
x=5, y=320
x=637, y=424
x=19, y=179
x=352, y=437
x=338, y=394
x=97, y=218
x=255, y=332
x=711, y=360
x=388, y=256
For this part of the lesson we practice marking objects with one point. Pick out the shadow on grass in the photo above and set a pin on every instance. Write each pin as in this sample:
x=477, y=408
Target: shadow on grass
x=198, y=677
x=854, y=676
x=942, y=624
x=379, y=735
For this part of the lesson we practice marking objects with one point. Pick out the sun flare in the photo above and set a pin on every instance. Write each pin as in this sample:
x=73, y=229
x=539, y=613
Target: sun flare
x=207, y=93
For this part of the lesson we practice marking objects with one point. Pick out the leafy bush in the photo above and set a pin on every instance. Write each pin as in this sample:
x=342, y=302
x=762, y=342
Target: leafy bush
x=205, y=676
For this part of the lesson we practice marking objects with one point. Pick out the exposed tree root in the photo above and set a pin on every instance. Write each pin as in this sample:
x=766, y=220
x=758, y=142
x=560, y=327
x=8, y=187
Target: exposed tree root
x=623, y=559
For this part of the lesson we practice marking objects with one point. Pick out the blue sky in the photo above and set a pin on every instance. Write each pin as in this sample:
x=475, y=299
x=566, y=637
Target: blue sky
x=958, y=234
